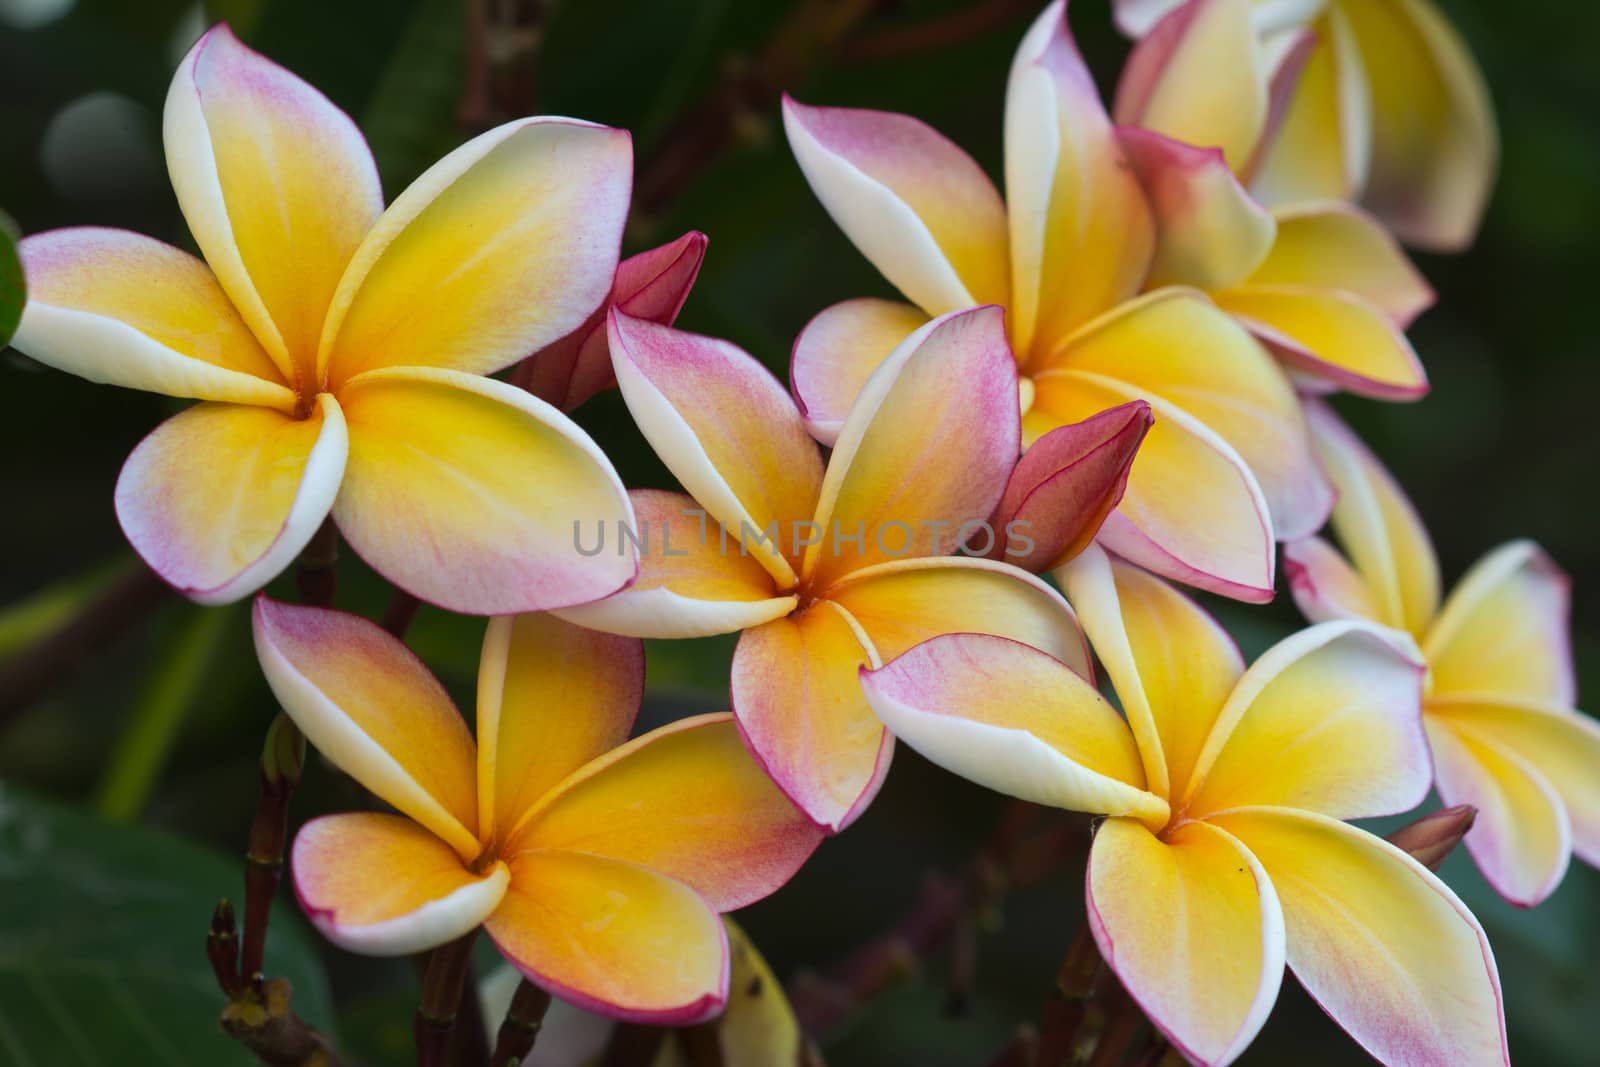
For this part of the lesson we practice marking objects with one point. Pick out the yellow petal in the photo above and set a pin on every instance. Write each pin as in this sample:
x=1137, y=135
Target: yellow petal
x=220, y=498
x=799, y=703
x=371, y=707
x=1171, y=664
x=837, y=352
x=503, y=246
x=1191, y=925
x=1378, y=527
x=1324, y=584
x=1328, y=720
x=1081, y=232
x=1014, y=720
x=381, y=885
x=759, y=1026
x=598, y=933
x=119, y=308
x=551, y=697
x=473, y=494
x=1435, y=147
x=278, y=188
x=1504, y=630
x=695, y=578
x=1380, y=943
x=1332, y=245
x=927, y=448
x=688, y=801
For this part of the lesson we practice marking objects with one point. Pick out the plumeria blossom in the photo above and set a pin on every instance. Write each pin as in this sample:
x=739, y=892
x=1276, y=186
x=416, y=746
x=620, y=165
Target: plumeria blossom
x=1500, y=702
x=1390, y=110
x=652, y=285
x=824, y=568
x=1203, y=104
x=340, y=349
x=1226, y=465
x=598, y=865
x=1224, y=854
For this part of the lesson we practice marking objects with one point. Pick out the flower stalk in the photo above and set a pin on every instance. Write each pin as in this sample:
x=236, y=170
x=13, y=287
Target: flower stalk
x=442, y=983
x=520, y=1030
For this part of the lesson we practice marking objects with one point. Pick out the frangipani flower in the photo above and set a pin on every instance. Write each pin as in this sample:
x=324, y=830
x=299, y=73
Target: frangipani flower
x=598, y=865
x=1499, y=705
x=1226, y=464
x=1203, y=107
x=340, y=349
x=824, y=569
x=1224, y=854
x=1391, y=110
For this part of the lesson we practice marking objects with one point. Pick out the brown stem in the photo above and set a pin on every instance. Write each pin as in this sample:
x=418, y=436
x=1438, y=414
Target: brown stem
x=442, y=983
x=633, y=1045
x=702, y=1045
x=29, y=674
x=502, y=51
x=401, y=610
x=315, y=574
x=282, y=758
x=1021, y=1051
x=222, y=948
x=521, y=1027
x=263, y=1022
x=1067, y=1008
x=1122, y=1028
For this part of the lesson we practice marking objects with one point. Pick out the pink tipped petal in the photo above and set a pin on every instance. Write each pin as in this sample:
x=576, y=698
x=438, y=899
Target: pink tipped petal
x=1381, y=943
x=473, y=495
x=1521, y=838
x=652, y=285
x=278, y=188
x=1191, y=925
x=120, y=308
x=724, y=426
x=1339, y=246
x=1065, y=486
x=930, y=441
x=1333, y=335
x=1435, y=147
x=915, y=205
x=381, y=885
x=598, y=933
x=695, y=578
x=904, y=602
x=500, y=248
x=1210, y=233
x=551, y=697
x=801, y=710
x=1505, y=630
x=837, y=352
x=1379, y=528
x=220, y=498
x=1015, y=720
x=1081, y=232
x=371, y=707
x=1328, y=720
x=687, y=801
x=1324, y=585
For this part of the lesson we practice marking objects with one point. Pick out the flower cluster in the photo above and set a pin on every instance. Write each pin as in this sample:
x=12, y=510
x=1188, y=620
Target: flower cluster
x=1108, y=380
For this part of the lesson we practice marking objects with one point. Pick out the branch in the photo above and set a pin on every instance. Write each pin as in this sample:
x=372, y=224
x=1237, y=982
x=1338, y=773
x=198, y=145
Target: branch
x=521, y=1027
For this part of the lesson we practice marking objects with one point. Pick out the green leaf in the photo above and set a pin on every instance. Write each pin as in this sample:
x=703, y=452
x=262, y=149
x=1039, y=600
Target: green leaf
x=410, y=120
x=102, y=930
x=13, y=288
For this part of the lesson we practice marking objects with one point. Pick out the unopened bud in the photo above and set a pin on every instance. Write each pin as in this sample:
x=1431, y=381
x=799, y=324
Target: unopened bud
x=1430, y=839
x=284, y=754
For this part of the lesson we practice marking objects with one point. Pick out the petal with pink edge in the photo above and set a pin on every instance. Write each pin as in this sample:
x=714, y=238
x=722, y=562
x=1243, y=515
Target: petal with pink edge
x=837, y=352
x=220, y=498
x=931, y=440
x=596, y=932
x=1191, y=925
x=1081, y=232
x=472, y=494
x=724, y=426
x=370, y=706
x=381, y=885
x=123, y=309
x=501, y=247
x=801, y=710
x=915, y=205
x=1324, y=585
x=687, y=801
x=1504, y=629
x=1339, y=246
x=1210, y=233
x=551, y=697
x=1382, y=944
x=278, y=188
x=1014, y=720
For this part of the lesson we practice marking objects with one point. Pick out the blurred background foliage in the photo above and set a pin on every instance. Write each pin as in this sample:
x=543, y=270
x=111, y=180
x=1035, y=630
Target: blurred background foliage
x=159, y=723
